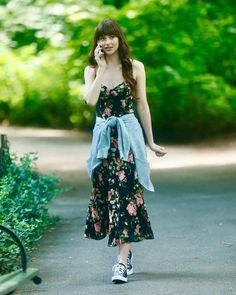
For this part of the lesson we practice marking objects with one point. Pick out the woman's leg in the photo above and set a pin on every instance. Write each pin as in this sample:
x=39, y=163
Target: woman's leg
x=123, y=253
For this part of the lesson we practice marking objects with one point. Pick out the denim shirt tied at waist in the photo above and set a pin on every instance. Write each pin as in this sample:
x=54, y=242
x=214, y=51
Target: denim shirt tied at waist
x=130, y=135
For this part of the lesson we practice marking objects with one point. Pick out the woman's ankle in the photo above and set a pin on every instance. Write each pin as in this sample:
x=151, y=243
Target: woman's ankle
x=122, y=260
x=123, y=253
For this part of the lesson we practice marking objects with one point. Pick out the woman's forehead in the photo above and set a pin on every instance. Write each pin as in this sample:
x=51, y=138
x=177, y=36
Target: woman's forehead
x=106, y=31
x=106, y=35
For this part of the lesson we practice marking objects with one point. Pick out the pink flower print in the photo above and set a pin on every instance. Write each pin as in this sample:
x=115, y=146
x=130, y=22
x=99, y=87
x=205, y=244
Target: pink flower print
x=118, y=242
x=115, y=142
x=111, y=214
x=97, y=226
x=136, y=230
x=118, y=163
x=96, y=193
x=132, y=209
x=105, y=163
x=123, y=103
x=130, y=158
x=107, y=91
x=111, y=226
x=139, y=199
x=135, y=174
x=100, y=178
x=94, y=213
x=109, y=195
x=121, y=175
x=107, y=111
x=118, y=160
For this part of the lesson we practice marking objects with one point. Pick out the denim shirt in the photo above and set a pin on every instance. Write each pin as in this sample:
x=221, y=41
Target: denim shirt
x=130, y=135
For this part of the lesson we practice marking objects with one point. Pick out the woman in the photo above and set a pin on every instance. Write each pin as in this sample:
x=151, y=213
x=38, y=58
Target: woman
x=117, y=165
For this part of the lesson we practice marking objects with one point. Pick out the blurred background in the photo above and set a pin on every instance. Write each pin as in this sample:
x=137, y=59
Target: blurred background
x=187, y=47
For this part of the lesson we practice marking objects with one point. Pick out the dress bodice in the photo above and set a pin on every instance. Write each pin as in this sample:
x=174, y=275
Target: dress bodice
x=117, y=101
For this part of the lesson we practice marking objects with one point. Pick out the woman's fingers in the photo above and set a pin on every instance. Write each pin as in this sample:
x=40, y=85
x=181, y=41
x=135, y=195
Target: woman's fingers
x=98, y=52
x=158, y=154
x=98, y=49
x=161, y=152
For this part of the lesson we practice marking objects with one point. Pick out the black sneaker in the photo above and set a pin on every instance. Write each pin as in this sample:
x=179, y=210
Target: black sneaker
x=130, y=269
x=120, y=273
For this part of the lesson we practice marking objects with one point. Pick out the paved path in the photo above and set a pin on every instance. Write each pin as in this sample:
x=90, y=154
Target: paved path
x=67, y=151
x=192, y=214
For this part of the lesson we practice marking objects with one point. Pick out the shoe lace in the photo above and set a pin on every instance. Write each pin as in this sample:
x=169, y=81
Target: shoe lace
x=118, y=268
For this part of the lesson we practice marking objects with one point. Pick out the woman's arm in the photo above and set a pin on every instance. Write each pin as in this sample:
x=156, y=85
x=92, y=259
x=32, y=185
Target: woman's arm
x=92, y=80
x=92, y=84
x=143, y=109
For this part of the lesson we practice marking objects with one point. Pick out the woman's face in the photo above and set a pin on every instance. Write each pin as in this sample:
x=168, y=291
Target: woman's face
x=109, y=44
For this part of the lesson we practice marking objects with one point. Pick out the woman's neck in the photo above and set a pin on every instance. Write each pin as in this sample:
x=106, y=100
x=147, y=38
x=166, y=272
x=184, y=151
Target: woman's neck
x=113, y=60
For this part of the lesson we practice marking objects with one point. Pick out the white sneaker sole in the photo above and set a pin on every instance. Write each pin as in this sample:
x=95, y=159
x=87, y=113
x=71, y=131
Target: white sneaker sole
x=119, y=279
x=130, y=272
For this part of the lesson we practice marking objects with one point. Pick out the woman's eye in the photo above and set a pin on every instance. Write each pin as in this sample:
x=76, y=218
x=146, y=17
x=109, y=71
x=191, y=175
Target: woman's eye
x=102, y=38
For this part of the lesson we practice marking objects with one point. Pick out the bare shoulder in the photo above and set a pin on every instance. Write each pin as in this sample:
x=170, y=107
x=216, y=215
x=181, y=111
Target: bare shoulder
x=138, y=67
x=137, y=64
x=90, y=70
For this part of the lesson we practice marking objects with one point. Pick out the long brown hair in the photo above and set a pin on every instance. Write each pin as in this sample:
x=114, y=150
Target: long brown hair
x=111, y=27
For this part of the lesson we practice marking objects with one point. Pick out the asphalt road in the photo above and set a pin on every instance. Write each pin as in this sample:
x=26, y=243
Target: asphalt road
x=192, y=214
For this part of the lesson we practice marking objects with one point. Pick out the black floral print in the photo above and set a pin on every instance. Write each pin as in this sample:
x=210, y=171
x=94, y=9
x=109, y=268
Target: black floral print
x=115, y=102
x=116, y=207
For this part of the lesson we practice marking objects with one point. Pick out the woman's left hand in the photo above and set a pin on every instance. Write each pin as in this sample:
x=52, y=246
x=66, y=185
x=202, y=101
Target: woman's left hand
x=159, y=150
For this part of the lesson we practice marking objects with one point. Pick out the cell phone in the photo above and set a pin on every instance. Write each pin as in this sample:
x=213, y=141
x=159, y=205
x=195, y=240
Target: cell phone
x=100, y=46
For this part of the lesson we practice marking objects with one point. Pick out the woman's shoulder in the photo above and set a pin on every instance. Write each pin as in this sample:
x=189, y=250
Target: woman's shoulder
x=137, y=63
x=138, y=66
x=90, y=70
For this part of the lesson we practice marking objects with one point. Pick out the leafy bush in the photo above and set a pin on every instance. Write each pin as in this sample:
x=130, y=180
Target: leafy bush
x=24, y=195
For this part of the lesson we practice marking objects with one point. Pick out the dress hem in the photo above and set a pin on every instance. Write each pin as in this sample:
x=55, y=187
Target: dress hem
x=126, y=242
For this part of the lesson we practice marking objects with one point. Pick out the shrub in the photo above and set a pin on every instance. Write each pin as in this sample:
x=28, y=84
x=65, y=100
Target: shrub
x=24, y=195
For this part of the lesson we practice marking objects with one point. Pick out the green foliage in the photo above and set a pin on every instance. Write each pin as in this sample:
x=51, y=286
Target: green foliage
x=187, y=48
x=189, y=63
x=24, y=195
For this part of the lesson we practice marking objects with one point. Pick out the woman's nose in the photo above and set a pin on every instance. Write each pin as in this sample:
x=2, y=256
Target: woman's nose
x=107, y=40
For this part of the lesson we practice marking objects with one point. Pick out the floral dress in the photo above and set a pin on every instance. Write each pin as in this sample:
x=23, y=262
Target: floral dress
x=116, y=207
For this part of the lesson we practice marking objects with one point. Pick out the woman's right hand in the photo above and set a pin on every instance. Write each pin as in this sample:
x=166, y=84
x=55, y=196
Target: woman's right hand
x=159, y=150
x=99, y=56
